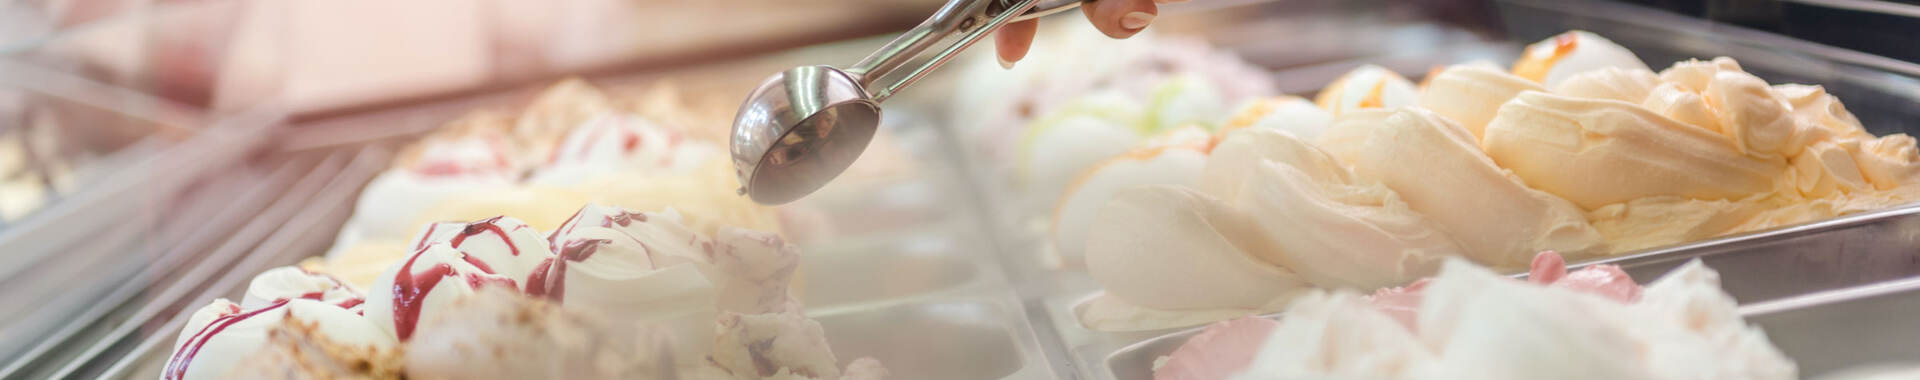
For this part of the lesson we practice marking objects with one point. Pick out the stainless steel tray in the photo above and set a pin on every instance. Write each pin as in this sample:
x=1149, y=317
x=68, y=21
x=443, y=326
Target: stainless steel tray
x=1768, y=265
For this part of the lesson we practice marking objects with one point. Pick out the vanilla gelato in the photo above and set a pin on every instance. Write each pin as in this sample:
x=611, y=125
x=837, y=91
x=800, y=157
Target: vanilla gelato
x=1581, y=150
x=286, y=283
x=220, y=336
x=1438, y=169
x=1171, y=159
x=1272, y=215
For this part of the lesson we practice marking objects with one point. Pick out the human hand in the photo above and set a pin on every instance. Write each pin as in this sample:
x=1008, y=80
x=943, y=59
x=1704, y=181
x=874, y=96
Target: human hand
x=1116, y=18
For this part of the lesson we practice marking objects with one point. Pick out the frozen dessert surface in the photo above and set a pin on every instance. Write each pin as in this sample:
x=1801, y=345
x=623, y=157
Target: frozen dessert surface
x=1579, y=149
x=1272, y=216
x=611, y=293
x=1470, y=322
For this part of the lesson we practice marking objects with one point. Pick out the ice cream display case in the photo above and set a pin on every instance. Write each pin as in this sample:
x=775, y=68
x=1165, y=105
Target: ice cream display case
x=1251, y=189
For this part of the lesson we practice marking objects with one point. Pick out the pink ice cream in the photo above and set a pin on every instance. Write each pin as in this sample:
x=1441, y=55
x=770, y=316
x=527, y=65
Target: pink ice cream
x=1228, y=347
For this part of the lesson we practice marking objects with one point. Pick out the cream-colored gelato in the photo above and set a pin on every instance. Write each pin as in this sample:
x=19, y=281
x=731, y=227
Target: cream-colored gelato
x=1489, y=165
x=1597, y=152
x=1272, y=216
x=1439, y=170
x=1172, y=159
x=1470, y=95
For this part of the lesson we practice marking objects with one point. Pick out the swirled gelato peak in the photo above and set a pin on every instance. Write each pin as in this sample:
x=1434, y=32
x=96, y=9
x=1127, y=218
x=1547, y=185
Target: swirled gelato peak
x=503, y=244
x=1367, y=86
x=1272, y=216
x=422, y=286
x=1561, y=57
x=289, y=282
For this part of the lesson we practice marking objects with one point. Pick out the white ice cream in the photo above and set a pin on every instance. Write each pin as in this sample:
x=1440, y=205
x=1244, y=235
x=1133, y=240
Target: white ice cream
x=221, y=335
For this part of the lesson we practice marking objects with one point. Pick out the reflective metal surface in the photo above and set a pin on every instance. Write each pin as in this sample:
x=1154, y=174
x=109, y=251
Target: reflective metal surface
x=802, y=127
x=798, y=130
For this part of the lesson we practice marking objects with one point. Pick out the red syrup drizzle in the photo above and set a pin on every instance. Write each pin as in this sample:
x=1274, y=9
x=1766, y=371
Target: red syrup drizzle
x=549, y=279
x=624, y=218
x=426, y=237
x=553, y=239
x=484, y=226
x=410, y=290
x=177, y=366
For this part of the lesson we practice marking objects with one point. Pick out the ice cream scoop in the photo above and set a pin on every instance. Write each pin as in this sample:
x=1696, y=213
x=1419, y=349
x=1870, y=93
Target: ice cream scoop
x=804, y=126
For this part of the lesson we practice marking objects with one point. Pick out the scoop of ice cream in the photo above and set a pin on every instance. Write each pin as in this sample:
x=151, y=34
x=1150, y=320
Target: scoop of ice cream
x=757, y=268
x=1470, y=95
x=503, y=245
x=1294, y=218
x=1596, y=152
x=1889, y=161
x=1439, y=170
x=221, y=336
x=1626, y=85
x=1225, y=348
x=558, y=109
x=1560, y=57
x=1368, y=86
x=1812, y=105
x=1064, y=143
x=1473, y=323
x=773, y=345
x=500, y=334
x=1291, y=114
x=1173, y=159
x=617, y=143
x=421, y=287
x=645, y=270
x=290, y=282
x=440, y=167
x=1184, y=100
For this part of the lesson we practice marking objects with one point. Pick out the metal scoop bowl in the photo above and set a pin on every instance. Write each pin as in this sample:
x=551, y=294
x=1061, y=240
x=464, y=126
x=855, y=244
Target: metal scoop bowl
x=804, y=126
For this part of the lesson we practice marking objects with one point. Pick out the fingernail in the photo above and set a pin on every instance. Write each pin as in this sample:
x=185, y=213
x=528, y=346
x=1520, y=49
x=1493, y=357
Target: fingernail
x=1136, y=20
x=1004, y=63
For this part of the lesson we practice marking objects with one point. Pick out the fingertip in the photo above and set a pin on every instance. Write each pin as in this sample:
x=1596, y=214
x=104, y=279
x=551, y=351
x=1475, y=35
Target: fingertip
x=1121, y=18
x=1013, y=41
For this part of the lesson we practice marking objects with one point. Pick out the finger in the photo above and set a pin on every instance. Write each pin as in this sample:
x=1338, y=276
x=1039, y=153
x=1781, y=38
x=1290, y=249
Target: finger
x=1121, y=18
x=1012, y=41
x=1169, y=1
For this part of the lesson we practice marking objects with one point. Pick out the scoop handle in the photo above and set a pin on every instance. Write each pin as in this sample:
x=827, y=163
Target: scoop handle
x=973, y=19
